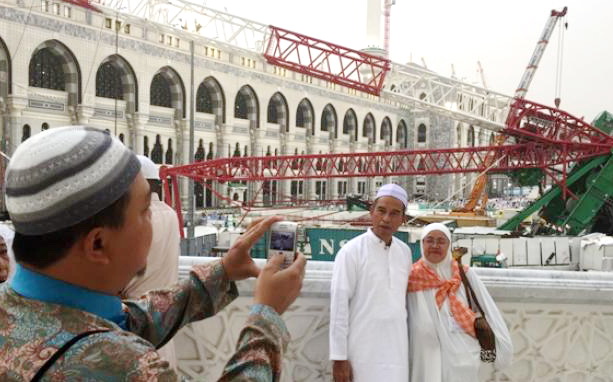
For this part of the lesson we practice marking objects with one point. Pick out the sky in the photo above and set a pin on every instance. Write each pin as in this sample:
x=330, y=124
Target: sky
x=501, y=35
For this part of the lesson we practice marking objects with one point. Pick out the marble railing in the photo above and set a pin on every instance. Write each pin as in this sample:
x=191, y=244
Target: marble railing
x=561, y=323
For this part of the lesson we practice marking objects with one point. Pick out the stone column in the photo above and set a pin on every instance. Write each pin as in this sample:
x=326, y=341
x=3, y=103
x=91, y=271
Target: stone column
x=137, y=133
x=15, y=108
x=84, y=114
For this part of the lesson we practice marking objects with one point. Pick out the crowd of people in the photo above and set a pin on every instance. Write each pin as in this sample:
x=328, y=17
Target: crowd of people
x=94, y=291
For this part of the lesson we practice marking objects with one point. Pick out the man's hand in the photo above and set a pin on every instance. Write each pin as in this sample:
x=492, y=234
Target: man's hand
x=237, y=263
x=279, y=288
x=341, y=371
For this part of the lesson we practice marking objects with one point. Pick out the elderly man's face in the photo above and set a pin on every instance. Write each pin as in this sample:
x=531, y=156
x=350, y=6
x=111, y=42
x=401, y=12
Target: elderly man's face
x=387, y=215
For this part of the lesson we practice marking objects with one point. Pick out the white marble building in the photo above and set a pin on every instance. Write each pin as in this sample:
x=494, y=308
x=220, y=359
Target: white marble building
x=62, y=64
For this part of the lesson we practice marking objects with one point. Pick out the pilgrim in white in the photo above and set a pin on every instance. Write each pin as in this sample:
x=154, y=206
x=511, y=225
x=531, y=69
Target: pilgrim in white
x=443, y=346
x=368, y=317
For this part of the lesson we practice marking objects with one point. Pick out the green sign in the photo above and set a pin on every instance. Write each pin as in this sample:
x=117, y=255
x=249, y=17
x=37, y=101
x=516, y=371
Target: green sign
x=326, y=242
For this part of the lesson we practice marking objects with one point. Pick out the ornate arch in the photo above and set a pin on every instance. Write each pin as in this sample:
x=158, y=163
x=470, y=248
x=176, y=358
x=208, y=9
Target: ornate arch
x=278, y=111
x=247, y=99
x=5, y=71
x=177, y=89
x=386, y=131
x=305, y=115
x=369, y=128
x=422, y=133
x=329, y=121
x=350, y=124
x=129, y=86
x=401, y=134
x=69, y=65
x=211, y=99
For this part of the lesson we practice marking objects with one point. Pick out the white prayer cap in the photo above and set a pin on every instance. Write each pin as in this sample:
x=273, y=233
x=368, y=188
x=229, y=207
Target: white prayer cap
x=149, y=169
x=394, y=191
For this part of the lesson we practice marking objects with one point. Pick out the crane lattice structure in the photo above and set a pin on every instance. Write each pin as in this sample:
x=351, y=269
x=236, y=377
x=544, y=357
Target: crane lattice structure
x=544, y=138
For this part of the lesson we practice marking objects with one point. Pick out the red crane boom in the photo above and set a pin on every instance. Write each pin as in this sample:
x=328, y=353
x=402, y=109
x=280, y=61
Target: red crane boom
x=548, y=138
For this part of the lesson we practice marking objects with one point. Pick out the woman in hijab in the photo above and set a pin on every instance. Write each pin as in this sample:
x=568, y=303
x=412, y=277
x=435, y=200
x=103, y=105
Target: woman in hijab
x=442, y=343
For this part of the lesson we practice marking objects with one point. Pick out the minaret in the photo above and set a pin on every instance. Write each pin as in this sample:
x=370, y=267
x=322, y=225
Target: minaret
x=374, y=28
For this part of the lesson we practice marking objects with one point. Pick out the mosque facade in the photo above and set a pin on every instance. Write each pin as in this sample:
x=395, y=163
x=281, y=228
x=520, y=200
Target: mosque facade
x=61, y=64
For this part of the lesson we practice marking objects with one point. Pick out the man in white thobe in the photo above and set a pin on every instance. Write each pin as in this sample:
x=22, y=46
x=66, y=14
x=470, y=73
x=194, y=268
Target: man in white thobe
x=368, y=316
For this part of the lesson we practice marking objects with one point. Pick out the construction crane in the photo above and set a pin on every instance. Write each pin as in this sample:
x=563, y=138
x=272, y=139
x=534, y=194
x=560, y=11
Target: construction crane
x=548, y=139
x=477, y=201
x=386, y=34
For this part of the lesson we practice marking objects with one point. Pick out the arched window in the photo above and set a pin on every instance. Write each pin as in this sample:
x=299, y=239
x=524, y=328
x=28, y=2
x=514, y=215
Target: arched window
x=108, y=82
x=421, y=133
x=210, y=99
x=272, y=113
x=470, y=139
x=401, y=135
x=237, y=150
x=204, y=101
x=158, y=150
x=368, y=128
x=146, y=146
x=240, y=106
x=46, y=71
x=199, y=155
x=328, y=120
x=169, y=152
x=25, y=132
x=277, y=111
x=160, y=91
x=301, y=115
x=459, y=135
x=44, y=126
x=210, y=154
x=350, y=124
x=246, y=151
x=121, y=137
x=386, y=131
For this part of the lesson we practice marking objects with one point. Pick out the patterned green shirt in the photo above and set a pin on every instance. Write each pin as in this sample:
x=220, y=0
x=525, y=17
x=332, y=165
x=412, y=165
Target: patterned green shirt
x=32, y=330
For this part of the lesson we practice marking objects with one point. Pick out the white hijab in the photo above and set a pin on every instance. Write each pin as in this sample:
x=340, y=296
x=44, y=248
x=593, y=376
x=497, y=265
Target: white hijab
x=443, y=268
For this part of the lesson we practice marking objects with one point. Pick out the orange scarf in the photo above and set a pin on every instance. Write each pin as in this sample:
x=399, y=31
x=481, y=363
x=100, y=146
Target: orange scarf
x=422, y=277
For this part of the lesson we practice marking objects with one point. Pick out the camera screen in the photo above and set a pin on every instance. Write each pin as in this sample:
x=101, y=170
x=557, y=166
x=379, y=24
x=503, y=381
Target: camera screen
x=282, y=241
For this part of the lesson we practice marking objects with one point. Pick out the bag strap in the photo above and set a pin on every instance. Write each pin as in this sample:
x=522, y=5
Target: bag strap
x=60, y=352
x=469, y=288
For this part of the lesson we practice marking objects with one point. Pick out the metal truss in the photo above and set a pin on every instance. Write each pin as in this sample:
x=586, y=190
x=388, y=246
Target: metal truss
x=207, y=22
x=307, y=55
x=412, y=85
x=403, y=85
x=547, y=138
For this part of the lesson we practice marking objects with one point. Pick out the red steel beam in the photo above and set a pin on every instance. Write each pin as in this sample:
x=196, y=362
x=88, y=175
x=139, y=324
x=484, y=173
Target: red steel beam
x=311, y=56
x=398, y=163
x=538, y=123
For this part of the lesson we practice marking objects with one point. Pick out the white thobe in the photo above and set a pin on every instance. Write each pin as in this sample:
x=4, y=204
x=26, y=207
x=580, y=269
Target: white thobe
x=368, y=317
x=440, y=349
x=162, y=262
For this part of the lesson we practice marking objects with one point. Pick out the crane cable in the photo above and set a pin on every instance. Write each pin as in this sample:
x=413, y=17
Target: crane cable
x=559, y=62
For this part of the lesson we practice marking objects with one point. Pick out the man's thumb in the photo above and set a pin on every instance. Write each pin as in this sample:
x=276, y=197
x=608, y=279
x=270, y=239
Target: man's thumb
x=276, y=261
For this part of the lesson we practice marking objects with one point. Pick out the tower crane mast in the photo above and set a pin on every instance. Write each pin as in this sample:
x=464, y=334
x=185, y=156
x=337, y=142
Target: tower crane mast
x=526, y=79
x=477, y=200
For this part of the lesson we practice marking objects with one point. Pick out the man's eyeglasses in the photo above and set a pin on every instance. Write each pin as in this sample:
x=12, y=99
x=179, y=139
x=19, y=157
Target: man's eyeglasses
x=439, y=242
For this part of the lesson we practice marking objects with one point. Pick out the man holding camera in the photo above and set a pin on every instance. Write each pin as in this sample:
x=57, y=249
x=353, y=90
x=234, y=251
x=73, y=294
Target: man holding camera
x=81, y=211
x=368, y=327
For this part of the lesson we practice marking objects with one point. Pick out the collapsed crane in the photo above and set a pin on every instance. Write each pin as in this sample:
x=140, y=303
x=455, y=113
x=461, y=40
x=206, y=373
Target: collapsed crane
x=546, y=139
x=477, y=201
